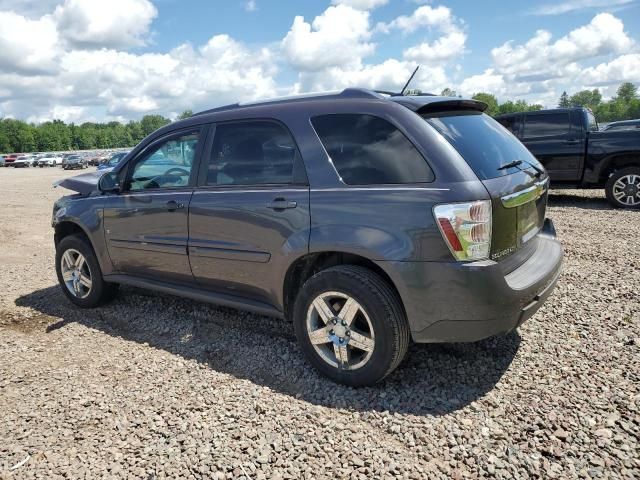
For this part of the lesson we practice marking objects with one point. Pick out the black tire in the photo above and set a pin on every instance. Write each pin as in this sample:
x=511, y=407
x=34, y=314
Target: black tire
x=385, y=313
x=101, y=291
x=634, y=190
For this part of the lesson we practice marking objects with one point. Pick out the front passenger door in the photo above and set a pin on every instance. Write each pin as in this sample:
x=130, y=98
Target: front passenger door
x=146, y=225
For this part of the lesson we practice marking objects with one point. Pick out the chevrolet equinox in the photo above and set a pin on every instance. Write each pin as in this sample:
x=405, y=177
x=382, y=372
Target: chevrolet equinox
x=368, y=220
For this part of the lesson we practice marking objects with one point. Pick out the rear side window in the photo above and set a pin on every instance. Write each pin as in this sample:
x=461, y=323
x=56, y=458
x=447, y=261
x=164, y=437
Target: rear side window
x=546, y=125
x=367, y=150
x=482, y=142
x=252, y=153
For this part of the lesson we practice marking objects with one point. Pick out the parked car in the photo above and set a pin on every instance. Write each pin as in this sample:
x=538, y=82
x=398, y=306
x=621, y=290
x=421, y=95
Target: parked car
x=576, y=155
x=367, y=220
x=9, y=159
x=2, y=162
x=23, y=161
x=113, y=161
x=50, y=160
x=72, y=162
x=622, y=125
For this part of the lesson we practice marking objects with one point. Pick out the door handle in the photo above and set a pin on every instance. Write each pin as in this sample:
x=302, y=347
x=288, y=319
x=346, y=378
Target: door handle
x=172, y=205
x=281, y=204
x=572, y=142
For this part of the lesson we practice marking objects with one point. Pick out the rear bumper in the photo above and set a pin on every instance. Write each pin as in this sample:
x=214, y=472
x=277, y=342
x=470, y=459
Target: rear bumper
x=464, y=302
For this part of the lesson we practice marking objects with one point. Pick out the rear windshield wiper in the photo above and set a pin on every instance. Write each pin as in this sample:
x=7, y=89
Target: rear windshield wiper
x=515, y=163
x=539, y=170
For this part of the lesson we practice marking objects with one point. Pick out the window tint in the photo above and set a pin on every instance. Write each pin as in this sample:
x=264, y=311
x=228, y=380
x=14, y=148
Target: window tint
x=367, y=150
x=251, y=153
x=546, y=124
x=166, y=166
x=511, y=123
x=482, y=142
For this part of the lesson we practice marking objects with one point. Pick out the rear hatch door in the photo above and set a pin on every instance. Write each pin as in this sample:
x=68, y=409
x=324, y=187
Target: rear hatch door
x=515, y=180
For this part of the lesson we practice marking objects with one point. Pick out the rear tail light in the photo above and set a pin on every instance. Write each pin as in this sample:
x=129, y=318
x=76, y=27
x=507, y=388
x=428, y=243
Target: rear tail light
x=466, y=228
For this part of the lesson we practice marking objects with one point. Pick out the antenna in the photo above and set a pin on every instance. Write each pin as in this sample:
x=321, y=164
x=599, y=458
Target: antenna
x=409, y=81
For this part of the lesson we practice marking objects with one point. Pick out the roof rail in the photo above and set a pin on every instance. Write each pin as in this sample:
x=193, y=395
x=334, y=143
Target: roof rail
x=346, y=93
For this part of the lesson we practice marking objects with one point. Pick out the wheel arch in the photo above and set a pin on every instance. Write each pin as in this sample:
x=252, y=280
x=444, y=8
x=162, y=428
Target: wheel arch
x=308, y=265
x=618, y=162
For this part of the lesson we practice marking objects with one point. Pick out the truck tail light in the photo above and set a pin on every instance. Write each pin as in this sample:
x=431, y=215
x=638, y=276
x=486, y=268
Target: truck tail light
x=466, y=228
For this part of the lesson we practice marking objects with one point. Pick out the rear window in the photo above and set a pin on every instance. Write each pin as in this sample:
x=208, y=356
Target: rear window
x=511, y=123
x=367, y=150
x=483, y=143
x=546, y=125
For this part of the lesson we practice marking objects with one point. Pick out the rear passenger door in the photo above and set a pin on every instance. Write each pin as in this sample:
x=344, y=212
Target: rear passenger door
x=250, y=210
x=559, y=146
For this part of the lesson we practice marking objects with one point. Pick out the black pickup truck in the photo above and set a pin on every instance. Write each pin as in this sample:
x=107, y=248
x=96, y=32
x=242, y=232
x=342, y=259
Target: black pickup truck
x=576, y=155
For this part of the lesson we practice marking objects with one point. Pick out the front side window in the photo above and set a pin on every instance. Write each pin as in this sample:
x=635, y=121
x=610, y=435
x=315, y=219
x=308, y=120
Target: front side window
x=167, y=165
x=546, y=125
x=367, y=150
x=252, y=153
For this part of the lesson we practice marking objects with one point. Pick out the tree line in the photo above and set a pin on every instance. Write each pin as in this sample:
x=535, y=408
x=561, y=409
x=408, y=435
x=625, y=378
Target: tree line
x=625, y=105
x=18, y=136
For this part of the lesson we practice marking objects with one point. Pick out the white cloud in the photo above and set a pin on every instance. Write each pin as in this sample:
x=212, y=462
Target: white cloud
x=541, y=68
x=250, y=6
x=361, y=4
x=542, y=58
x=443, y=49
x=449, y=45
x=27, y=46
x=424, y=16
x=559, y=8
x=116, y=23
x=337, y=37
x=625, y=68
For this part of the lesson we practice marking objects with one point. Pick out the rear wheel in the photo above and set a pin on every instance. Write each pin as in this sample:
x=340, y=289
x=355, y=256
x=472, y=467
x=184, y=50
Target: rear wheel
x=79, y=273
x=623, y=188
x=350, y=325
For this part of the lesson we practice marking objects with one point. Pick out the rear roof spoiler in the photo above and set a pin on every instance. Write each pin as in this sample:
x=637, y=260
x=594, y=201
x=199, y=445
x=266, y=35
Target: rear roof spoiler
x=433, y=104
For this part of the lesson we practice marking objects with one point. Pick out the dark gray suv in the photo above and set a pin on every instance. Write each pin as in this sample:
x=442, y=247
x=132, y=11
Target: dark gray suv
x=368, y=220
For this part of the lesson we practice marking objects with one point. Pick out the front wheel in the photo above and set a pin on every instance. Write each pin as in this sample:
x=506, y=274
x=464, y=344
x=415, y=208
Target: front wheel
x=623, y=188
x=350, y=325
x=79, y=273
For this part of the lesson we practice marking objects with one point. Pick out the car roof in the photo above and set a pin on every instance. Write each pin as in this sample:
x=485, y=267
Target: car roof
x=413, y=102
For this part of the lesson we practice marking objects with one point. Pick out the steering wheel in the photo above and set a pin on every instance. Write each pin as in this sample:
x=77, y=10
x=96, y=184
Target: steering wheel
x=181, y=172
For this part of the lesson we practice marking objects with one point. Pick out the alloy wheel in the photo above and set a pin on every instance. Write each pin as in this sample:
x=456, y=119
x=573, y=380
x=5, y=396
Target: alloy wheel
x=76, y=273
x=626, y=190
x=340, y=330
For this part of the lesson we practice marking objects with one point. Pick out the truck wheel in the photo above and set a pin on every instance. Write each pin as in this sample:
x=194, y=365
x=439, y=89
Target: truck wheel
x=623, y=188
x=79, y=273
x=350, y=325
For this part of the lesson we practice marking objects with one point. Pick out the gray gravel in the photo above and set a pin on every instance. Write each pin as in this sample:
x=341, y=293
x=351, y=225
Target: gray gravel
x=158, y=387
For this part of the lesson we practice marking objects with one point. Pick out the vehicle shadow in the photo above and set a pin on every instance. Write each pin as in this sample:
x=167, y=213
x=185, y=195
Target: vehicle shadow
x=562, y=199
x=433, y=380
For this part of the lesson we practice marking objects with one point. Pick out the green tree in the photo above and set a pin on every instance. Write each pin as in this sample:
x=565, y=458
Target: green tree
x=151, y=123
x=447, y=92
x=185, y=114
x=586, y=98
x=564, y=100
x=626, y=92
x=490, y=100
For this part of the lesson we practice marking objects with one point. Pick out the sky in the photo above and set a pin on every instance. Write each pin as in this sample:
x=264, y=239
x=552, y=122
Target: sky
x=96, y=60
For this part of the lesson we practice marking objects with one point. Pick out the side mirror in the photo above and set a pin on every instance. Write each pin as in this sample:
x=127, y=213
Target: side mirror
x=109, y=183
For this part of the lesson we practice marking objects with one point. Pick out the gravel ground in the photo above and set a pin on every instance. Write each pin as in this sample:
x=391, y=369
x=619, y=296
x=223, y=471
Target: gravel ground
x=158, y=387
